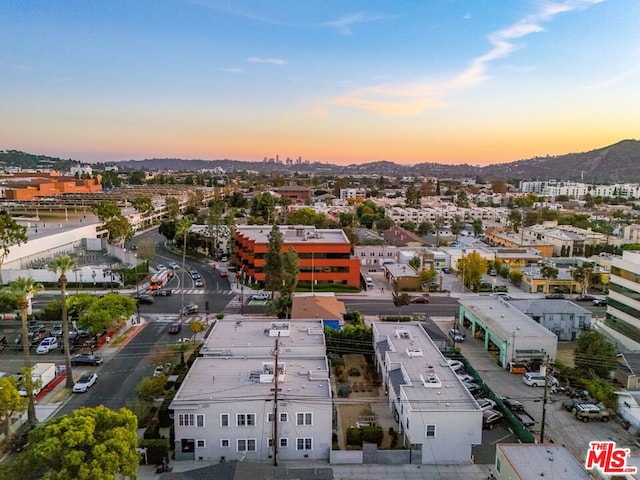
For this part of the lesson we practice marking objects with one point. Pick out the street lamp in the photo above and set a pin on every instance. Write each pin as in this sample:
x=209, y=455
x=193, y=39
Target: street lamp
x=80, y=279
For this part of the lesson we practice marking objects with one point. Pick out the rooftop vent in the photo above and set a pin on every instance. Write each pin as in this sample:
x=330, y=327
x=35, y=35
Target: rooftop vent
x=430, y=380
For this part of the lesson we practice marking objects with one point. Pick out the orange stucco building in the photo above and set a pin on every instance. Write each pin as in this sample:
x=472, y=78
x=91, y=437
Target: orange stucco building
x=325, y=254
x=27, y=186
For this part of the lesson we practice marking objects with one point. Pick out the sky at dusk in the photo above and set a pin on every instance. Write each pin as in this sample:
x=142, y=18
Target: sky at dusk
x=451, y=81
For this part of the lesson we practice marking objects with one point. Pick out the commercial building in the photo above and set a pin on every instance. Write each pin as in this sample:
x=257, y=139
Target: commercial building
x=30, y=185
x=324, y=254
x=238, y=401
x=623, y=304
x=436, y=414
x=506, y=331
x=526, y=461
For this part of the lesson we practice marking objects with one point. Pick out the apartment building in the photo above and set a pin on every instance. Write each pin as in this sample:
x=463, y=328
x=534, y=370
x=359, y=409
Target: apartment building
x=435, y=412
x=623, y=304
x=237, y=402
x=325, y=254
x=447, y=213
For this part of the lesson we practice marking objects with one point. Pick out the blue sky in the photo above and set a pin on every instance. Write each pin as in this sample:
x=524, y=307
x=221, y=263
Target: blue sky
x=345, y=82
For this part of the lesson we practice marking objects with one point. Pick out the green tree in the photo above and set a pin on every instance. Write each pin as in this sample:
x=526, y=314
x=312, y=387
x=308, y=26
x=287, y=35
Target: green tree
x=290, y=272
x=412, y=197
x=11, y=233
x=457, y=225
x=117, y=226
x=425, y=228
x=61, y=265
x=408, y=225
x=516, y=277
x=471, y=267
x=307, y=216
x=146, y=249
x=415, y=262
x=143, y=205
x=477, y=227
x=427, y=275
x=8, y=302
x=25, y=288
x=515, y=220
x=347, y=219
x=168, y=229
x=151, y=388
x=273, y=260
x=438, y=223
x=111, y=308
x=173, y=208
x=263, y=206
x=88, y=444
x=582, y=275
x=401, y=299
x=548, y=273
x=10, y=403
x=595, y=354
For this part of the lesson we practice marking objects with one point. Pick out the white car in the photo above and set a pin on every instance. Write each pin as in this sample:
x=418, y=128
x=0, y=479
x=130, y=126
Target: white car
x=174, y=266
x=46, y=345
x=85, y=382
x=260, y=296
x=456, y=365
x=465, y=377
x=486, y=404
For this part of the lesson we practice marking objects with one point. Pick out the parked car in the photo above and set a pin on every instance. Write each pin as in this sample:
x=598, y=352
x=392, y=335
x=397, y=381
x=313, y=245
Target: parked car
x=37, y=327
x=465, y=377
x=174, y=266
x=175, y=328
x=260, y=296
x=56, y=331
x=569, y=403
x=85, y=382
x=158, y=371
x=224, y=272
x=490, y=418
x=46, y=345
x=600, y=302
x=199, y=283
x=189, y=309
x=535, y=379
x=588, y=411
x=586, y=298
x=144, y=299
x=486, y=403
x=502, y=295
x=160, y=267
x=456, y=365
x=472, y=387
x=446, y=270
x=512, y=404
x=419, y=300
x=555, y=296
x=86, y=359
x=456, y=335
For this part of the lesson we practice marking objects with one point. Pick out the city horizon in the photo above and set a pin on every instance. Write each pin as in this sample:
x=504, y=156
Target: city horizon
x=352, y=83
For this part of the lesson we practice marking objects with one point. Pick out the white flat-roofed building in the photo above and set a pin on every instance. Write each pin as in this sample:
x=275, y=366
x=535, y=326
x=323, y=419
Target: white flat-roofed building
x=435, y=412
x=225, y=407
x=532, y=462
x=236, y=336
x=516, y=336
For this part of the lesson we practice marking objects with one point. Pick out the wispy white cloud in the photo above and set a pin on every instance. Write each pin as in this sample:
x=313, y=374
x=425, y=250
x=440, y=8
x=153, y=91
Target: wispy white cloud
x=621, y=77
x=344, y=24
x=270, y=61
x=415, y=97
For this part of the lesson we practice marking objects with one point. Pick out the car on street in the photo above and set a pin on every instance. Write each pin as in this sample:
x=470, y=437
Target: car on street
x=199, y=283
x=600, y=302
x=46, y=345
x=194, y=274
x=456, y=335
x=534, y=379
x=160, y=267
x=586, y=298
x=502, y=295
x=446, y=270
x=260, y=296
x=174, y=266
x=37, y=327
x=189, y=309
x=144, y=299
x=419, y=300
x=85, y=382
x=56, y=331
x=175, y=328
x=86, y=359
x=224, y=258
x=224, y=272
x=555, y=296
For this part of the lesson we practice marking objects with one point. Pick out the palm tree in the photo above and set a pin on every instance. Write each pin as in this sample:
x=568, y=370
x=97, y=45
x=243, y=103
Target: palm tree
x=182, y=228
x=62, y=264
x=25, y=288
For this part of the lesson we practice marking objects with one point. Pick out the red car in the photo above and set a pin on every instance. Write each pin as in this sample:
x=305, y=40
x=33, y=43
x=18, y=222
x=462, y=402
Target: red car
x=175, y=328
x=420, y=300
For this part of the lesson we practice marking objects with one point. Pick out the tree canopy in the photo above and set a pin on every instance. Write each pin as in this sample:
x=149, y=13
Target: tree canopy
x=88, y=444
x=11, y=233
x=471, y=267
x=594, y=353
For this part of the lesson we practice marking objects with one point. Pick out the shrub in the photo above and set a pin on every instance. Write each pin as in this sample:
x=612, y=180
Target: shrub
x=153, y=430
x=372, y=435
x=354, y=372
x=220, y=315
x=157, y=449
x=344, y=389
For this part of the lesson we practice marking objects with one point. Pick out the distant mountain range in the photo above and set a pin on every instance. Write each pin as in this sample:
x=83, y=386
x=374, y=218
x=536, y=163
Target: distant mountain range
x=619, y=162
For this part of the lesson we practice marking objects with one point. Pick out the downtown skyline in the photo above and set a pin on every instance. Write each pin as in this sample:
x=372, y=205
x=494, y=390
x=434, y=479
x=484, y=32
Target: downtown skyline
x=339, y=82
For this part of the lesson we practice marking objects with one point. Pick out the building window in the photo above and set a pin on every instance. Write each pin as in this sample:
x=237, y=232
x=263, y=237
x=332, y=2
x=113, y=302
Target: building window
x=304, y=443
x=200, y=420
x=224, y=443
x=430, y=431
x=305, y=418
x=284, y=443
x=246, y=445
x=269, y=417
x=186, y=419
x=270, y=442
x=284, y=417
x=245, y=419
x=201, y=443
x=224, y=419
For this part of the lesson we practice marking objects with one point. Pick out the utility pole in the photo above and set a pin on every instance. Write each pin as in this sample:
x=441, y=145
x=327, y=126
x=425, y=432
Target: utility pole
x=544, y=399
x=275, y=402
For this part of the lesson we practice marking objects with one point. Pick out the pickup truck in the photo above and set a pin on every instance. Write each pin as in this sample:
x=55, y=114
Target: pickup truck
x=588, y=411
x=518, y=411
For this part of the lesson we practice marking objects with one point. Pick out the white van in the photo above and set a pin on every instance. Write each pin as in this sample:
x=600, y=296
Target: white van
x=369, y=282
x=536, y=379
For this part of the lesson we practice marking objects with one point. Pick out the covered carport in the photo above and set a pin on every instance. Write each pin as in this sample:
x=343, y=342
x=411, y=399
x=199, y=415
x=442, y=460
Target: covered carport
x=508, y=333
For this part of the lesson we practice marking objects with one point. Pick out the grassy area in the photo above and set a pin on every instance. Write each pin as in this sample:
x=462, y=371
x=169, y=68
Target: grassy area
x=327, y=287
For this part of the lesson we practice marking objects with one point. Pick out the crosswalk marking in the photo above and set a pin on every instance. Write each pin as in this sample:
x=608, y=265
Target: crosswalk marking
x=201, y=291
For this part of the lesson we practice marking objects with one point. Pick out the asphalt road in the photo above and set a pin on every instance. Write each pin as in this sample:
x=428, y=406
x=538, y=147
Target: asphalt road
x=437, y=306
